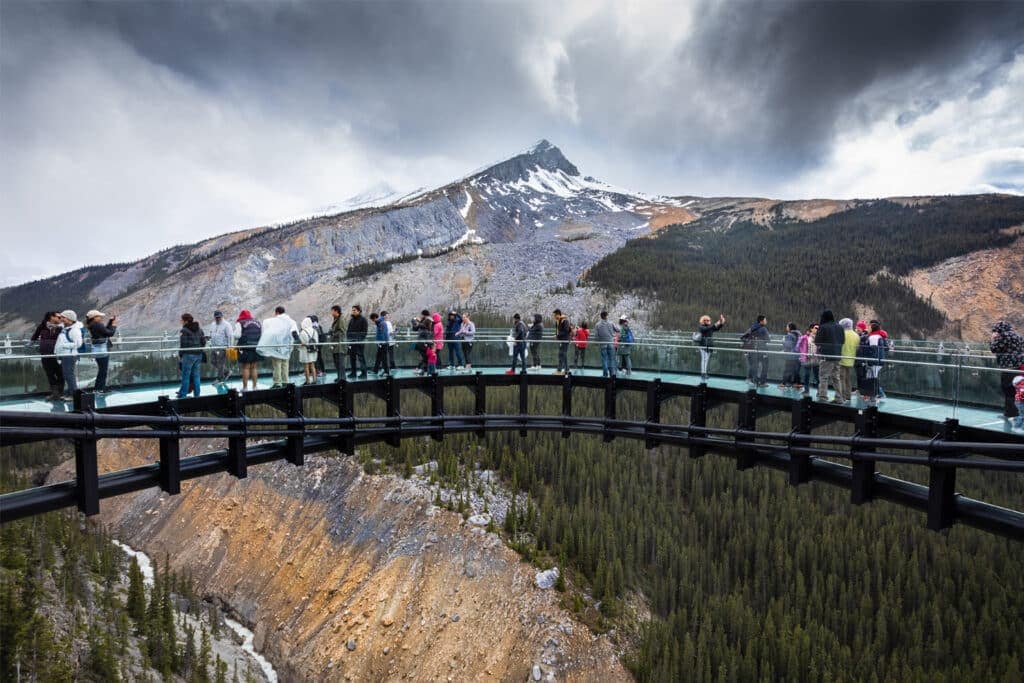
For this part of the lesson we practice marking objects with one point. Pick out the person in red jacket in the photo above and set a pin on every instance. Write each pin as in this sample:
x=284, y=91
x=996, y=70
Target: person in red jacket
x=579, y=341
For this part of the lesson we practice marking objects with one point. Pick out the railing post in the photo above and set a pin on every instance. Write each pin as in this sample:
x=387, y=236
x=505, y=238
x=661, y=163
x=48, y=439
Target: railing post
x=653, y=410
x=566, y=402
x=480, y=400
x=524, y=401
x=346, y=409
x=87, y=478
x=698, y=417
x=170, y=450
x=392, y=409
x=610, y=391
x=293, y=449
x=942, y=484
x=800, y=463
x=238, y=466
x=747, y=420
x=862, y=488
x=437, y=406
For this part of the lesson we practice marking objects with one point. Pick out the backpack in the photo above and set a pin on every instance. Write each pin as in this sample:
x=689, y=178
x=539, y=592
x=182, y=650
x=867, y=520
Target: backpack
x=81, y=349
x=628, y=338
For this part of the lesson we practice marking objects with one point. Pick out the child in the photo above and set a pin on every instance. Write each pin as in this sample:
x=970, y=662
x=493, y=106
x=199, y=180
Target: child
x=1018, y=398
x=431, y=359
x=580, y=342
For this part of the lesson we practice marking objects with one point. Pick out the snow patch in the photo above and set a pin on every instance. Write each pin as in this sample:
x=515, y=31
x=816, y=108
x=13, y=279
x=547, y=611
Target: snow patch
x=547, y=579
x=469, y=202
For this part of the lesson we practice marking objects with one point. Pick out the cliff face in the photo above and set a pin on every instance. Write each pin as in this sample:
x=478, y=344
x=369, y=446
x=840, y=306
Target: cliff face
x=344, y=576
x=976, y=289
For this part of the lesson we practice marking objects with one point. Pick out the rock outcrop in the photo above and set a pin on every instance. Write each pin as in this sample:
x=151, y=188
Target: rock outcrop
x=344, y=576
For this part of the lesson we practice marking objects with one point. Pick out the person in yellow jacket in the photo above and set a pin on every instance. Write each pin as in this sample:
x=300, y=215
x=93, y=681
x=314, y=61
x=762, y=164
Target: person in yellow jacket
x=850, y=342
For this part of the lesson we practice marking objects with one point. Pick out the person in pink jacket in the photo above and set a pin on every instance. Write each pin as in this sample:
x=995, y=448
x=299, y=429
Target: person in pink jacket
x=438, y=332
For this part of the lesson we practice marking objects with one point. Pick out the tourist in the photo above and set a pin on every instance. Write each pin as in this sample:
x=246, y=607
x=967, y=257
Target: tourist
x=47, y=333
x=851, y=340
x=437, y=331
x=791, y=370
x=625, y=345
x=308, y=340
x=579, y=340
x=191, y=341
x=99, y=335
x=871, y=353
x=321, y=370
x=756, y=341
x=451, y=336
x=859, y=368
x=355, y=336
x=563, y=330
x=534, y=335
x=382, y=335
x=518, y=334
x=704, y=343
x=829, y=339
x=422, y=326
x=808, y=359
x=276, y=339
x=604, y=335
x=337, y=337
x=1008, y=346
x=431, y=354
x=247, y=333
x=66, y=348
x=467, y=333
x=220, y=339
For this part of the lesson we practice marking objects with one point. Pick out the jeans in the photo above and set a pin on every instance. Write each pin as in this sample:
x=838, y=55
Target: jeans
x=625, y=363
x=519, y=351
x=791, y=373
x=1018, y=422
x=578, y=357
x=607, y=361
x=102, y=363
x=54, y=376
x=808, y=376
x=563, y=356
x=757, y=367
x=190, y=364
x=705, y=359
x=829, y=375
x=280, y=368
x=455, y=353
x=67, y=368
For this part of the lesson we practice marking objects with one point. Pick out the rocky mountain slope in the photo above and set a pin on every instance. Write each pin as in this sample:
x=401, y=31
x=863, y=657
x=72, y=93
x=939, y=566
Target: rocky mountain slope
x=344, y=576
x=500, y=236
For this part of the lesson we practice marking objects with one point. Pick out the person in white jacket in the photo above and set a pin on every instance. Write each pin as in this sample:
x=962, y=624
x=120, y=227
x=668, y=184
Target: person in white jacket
x=279, y=333
x=308, y=338
x=66, y=349
x=221, y=336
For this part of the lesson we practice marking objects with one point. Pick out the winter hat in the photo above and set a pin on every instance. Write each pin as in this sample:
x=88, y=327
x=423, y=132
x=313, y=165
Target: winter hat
x=70, y=315
x=1018, y=379
x=218, y=314
x=862, y=325
x=623, y=319
x=244, y=315
x=94, y=314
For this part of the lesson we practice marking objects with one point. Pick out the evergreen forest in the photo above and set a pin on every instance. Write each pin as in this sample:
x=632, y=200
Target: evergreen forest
x=791, y=270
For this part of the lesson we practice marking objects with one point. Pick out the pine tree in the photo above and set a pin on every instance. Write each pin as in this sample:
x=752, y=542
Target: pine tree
x=136, y=600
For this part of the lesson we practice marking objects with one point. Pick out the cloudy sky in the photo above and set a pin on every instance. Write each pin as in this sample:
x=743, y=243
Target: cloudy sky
x=126, y=127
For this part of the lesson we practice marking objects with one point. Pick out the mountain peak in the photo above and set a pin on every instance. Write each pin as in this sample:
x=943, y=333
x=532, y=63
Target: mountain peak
x=543, y=155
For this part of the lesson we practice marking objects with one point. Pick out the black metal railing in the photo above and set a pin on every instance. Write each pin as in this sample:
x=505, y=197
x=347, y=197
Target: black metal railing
x=945, y=448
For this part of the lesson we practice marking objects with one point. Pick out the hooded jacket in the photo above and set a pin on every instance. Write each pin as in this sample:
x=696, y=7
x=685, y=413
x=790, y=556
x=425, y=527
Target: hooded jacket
x=830, y=337
x=357, y=328
x=191, y=339
x=451, y=332
x=536, y=329
x=69, y=340
x=277, y=336
x=1007, y=345
x=438, y=331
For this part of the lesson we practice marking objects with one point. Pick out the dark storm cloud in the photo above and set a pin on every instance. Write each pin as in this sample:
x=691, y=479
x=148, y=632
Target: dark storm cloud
x=786, y=76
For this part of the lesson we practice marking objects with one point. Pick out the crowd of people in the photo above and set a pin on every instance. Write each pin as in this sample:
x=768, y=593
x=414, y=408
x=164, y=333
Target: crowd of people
x=843, y=356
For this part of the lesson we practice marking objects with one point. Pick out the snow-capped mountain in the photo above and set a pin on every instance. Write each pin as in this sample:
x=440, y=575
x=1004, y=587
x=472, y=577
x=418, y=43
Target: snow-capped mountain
x=505, y=234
